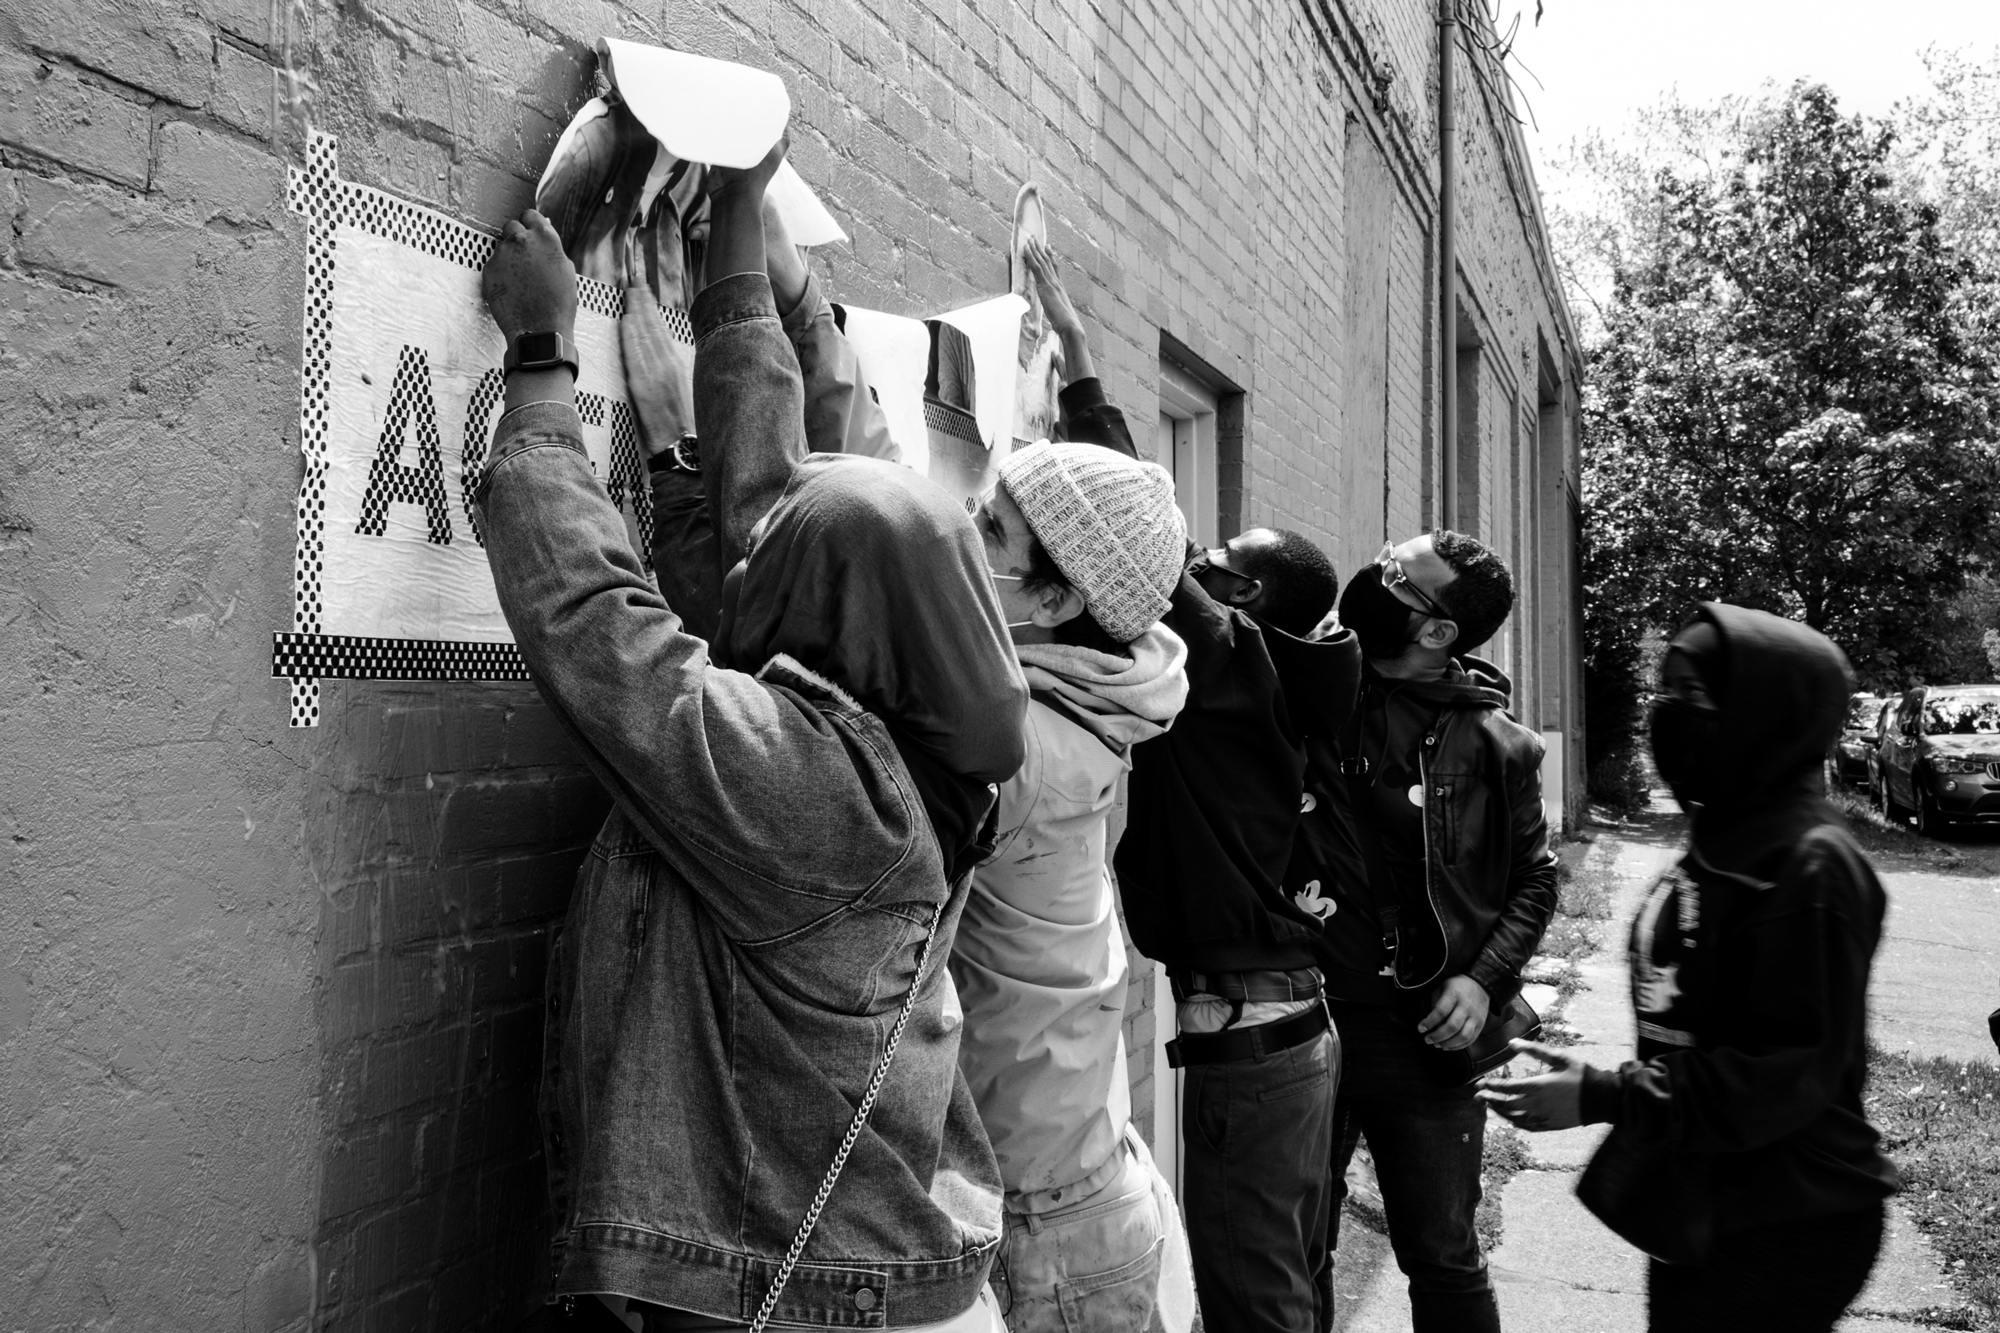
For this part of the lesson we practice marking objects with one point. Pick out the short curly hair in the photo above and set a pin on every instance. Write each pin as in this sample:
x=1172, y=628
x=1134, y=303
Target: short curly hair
x=1481, y=593
x=1300, y=583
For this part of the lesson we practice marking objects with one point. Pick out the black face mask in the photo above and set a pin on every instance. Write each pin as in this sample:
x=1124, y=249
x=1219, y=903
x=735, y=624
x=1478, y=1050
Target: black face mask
x=1380, y=619
x=1683, y=739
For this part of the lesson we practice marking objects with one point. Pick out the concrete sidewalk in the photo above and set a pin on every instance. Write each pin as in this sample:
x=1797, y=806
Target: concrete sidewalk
x=1558, y=1269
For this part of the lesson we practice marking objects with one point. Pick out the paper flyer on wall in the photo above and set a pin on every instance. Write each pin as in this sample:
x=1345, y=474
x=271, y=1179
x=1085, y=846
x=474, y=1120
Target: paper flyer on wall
x=402, y=381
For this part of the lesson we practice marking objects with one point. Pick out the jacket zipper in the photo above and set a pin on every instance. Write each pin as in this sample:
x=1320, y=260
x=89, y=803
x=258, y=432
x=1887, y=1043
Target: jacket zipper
x=1430, y=892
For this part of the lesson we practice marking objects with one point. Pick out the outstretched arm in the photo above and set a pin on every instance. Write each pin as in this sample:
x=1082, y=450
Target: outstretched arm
x=1088, y=417
x=751, y=408
x=842, y=415
x=706, y=762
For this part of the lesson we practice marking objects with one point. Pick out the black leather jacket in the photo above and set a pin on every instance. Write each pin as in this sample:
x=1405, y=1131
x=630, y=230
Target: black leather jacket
x=1490, y=876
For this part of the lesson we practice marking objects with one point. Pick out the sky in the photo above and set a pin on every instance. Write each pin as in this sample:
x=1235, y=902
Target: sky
x=1600, y=60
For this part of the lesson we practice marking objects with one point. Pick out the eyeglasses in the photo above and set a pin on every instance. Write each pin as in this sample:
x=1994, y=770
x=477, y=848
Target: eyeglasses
x=1394, y=577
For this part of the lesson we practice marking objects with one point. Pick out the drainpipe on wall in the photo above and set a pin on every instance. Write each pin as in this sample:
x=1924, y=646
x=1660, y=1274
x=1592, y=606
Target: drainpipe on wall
x=1447, y=268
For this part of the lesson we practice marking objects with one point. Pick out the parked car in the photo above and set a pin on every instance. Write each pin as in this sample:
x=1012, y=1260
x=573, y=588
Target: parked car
x=1885, y=717
x=1940, y=757
x=1858, y=739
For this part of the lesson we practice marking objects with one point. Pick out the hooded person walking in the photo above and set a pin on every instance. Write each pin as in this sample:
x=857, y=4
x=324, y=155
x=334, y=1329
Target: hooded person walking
x=1739, y=1156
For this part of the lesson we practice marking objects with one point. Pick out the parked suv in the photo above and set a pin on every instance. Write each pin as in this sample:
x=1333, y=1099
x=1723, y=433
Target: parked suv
x=1940, y=757
x=1858, y=739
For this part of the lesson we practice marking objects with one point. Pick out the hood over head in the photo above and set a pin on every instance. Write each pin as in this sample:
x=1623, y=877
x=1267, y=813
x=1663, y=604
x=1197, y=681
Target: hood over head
x=873, y=577
x=1468, y=682
x=1782, y=689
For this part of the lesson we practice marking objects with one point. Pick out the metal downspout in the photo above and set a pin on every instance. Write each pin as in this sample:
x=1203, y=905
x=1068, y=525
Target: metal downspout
x=1447, y=267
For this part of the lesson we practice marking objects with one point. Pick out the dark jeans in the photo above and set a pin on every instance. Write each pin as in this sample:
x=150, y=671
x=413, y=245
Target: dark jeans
x=1797, y=1277
x=1426, y=1141
x=1255, y=1147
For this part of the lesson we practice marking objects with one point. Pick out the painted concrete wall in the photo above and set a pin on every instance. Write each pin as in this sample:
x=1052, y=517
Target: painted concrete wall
x=268, y=998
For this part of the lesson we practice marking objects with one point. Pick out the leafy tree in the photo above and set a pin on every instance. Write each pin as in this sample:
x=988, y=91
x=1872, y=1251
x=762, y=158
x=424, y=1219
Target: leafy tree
x=1790, y=404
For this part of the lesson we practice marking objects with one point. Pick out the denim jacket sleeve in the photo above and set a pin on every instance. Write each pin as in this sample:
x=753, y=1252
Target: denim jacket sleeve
x=840, y=416
x=737, y=782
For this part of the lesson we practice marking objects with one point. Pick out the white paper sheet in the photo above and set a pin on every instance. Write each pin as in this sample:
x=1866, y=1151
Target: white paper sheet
x=995, y=330
x=806, y=218
x=702, y=110
x=895, y=353
x=400, y=582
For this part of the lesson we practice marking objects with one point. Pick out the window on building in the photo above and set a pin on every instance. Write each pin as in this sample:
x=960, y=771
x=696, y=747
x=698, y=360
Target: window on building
x=1188, y=447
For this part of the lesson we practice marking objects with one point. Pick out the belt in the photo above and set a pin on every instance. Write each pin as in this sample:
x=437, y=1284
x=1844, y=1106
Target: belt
x=1233, y=1044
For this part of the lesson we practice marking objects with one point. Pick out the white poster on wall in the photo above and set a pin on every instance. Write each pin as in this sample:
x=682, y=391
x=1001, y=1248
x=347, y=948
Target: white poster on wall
x=399, y=396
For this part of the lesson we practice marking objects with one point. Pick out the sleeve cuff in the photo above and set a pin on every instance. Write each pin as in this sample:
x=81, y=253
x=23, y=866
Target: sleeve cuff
x=1598, y=1102
x=812, y=304
x=1081, y=396
x=540, y=423
x=1500, y=985
x=738, y=297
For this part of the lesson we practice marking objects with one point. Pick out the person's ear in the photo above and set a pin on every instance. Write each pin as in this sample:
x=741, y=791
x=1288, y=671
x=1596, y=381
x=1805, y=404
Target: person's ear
x=1246, y=591
x=1438, y=633
x=1056, y=604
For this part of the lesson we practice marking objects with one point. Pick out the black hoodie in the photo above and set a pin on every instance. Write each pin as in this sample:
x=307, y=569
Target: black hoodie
x=1750, y=959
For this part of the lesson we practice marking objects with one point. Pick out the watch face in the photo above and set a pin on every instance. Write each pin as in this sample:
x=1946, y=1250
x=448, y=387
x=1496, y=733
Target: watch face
x=538, y=349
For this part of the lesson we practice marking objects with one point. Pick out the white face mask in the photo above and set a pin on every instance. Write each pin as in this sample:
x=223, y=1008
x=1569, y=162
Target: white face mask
x=1015, y=578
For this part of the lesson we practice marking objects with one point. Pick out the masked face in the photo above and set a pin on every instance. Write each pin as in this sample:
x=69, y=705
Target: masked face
x=1685, y=721
x=1380, y=619
x=1683, y=739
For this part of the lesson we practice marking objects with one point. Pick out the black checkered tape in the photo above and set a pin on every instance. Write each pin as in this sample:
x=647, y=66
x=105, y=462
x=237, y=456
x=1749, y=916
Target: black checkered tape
x=341, y=656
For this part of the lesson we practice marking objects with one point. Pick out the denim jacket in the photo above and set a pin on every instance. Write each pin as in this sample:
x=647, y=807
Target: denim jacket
x=744, y=930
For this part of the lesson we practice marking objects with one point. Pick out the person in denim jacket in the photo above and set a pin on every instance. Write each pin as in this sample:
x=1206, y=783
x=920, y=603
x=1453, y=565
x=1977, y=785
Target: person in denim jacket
x=788, y=831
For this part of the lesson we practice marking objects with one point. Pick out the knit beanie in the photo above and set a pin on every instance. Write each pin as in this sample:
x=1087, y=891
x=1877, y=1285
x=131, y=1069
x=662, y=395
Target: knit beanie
x=1111, y=525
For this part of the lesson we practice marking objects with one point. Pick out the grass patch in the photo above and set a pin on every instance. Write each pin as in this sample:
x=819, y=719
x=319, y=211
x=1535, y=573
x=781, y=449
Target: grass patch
x=1940, y=1121
x=1969, y=851
x=1585, y=889
x=1505, y=1156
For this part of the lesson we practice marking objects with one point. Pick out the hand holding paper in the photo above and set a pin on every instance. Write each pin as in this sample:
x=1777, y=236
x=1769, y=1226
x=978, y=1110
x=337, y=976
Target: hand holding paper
x=529, y=285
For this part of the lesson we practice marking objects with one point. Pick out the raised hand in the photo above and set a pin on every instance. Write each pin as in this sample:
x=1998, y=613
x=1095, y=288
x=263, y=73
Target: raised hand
x=1046, y=271
x=528, y=284
x=730, y=180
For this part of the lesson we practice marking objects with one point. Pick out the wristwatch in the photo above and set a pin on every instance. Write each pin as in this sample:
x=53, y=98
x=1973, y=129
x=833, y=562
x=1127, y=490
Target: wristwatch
x=540, y=351
x=684, y=453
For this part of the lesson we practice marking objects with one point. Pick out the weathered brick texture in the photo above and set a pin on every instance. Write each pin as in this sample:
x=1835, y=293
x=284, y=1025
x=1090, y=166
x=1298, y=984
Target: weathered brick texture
x=268, y=999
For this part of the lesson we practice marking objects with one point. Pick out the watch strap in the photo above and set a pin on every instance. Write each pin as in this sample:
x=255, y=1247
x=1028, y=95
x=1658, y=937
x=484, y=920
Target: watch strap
x=539, y=351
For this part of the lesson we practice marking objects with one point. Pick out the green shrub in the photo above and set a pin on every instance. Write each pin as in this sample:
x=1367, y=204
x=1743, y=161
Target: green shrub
x=1621, y=781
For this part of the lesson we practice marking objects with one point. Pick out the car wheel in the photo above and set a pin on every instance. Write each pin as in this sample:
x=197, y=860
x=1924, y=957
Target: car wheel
x=1886, y=802
x=1931, y=821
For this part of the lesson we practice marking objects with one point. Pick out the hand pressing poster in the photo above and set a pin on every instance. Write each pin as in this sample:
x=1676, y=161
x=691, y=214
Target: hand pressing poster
x=1039, y=356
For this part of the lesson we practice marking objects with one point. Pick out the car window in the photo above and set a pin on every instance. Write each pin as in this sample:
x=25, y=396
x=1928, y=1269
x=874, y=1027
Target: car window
x=1882, y=719
x=1962, y=713
x=1860, y=709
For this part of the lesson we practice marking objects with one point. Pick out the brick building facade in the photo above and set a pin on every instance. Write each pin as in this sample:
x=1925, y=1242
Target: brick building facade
x=269, y=998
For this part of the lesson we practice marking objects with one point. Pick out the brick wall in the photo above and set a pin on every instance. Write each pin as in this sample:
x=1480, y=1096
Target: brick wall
x=268, y=998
